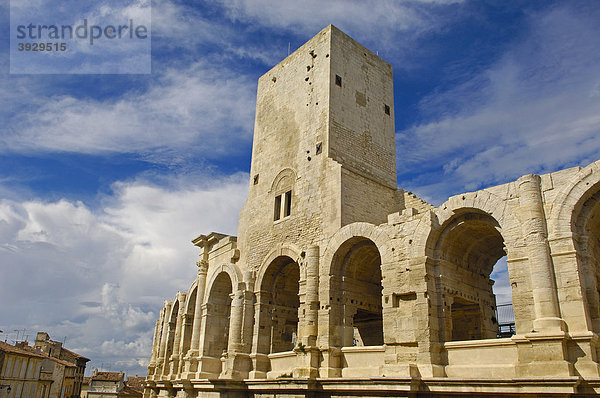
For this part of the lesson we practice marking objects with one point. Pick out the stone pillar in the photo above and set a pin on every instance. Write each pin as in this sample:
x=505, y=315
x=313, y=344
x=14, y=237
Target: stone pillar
x=235, y=324
x=165, y=336
x=309, y=337
x=308, y=354
x=261, y=336
x=544, y=350
x=191, y=359
x=156, y=343
x=236, y=362
x=248, y=322
x=174, y=360
x=330, y=326
x=236, y=320
x=547, y=316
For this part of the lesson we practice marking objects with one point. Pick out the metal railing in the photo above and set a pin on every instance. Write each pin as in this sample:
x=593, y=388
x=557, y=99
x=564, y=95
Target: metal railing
x=506, y=320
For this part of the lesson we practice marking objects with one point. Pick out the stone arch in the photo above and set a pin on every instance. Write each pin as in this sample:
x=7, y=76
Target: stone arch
x=192, y=290
x=574, y=237
x=463, y=239
x=359, y=229
x=190, y=306
x=173, y=321
x=274, y=314
x=216, y=318
x=235, y=274
x=467, y=247
x=353, y=261
x=284, y=179
x=288, y=250
x=569, y=200
x=426, y=232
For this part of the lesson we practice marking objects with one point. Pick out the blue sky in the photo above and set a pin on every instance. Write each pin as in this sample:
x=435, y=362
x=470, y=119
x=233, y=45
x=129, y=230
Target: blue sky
x=105, y=179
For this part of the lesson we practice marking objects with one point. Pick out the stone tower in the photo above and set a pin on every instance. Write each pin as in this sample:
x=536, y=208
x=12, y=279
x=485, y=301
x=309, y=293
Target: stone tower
x=324, y=150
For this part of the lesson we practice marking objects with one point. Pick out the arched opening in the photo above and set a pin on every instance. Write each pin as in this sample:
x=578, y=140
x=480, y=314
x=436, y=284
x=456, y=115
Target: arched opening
x=468, y=247
x=280, y=287
x=359, y=265
x=502, y=289
x=218, y=310
x=188, y=326
x=171, y=335
x=587, y=242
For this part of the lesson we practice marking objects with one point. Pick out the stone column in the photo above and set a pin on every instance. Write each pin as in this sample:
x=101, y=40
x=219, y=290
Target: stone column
x=312, y=296
x=191, y=359
x=235, y=323
x=308, y=354
x=330, y=326
x=248, y=322
x=156, y=343
x=236, y=362
x=165, y=336
x=547, y=315
x=202, y=271
x=544, y=350
x=261, y=336
x=177, y=340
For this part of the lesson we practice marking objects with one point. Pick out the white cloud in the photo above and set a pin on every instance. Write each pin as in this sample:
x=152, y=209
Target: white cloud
x=203, y=107
x=105, y=272
x=532, y=111
x=372, y=18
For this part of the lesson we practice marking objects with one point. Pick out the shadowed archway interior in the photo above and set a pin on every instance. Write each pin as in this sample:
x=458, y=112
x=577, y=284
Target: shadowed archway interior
x=468, y=247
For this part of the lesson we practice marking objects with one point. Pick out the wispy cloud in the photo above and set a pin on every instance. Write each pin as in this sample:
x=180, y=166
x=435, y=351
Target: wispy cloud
x=204, y=107
x=384, y=25
x=536, y=109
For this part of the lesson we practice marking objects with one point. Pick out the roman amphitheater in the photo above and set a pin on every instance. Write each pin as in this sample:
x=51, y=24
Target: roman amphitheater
x=339, y=283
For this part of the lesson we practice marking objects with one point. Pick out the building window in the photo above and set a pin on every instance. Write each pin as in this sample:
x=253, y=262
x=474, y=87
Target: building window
x=8, y=367
x=287, y=209
x=338, y=80
x=277, y=212
x=283, y=206
x=387, y=109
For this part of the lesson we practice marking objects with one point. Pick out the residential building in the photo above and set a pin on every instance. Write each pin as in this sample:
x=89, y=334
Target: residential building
x=85, y=385
x=20, y=373
x=106, y=384
x=55, y=349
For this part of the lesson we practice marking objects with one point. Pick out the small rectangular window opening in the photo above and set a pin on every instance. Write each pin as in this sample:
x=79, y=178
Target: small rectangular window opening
x=387, y=109
x=256, y=179
x=338, y=80
x=277, y=212
x=319, y=148
x=287, y=210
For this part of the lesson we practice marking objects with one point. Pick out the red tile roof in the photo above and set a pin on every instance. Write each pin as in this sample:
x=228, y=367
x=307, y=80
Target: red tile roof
x=136, y=383
x=129, y=392
x=16, y=350
x=107, y=376
x=75, y=354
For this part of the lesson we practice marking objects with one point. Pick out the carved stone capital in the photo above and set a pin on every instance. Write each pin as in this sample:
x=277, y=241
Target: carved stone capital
x=202, y=266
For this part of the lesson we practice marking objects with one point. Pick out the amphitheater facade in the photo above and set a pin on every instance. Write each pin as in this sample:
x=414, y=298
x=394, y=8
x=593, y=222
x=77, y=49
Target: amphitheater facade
x=339, y=283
